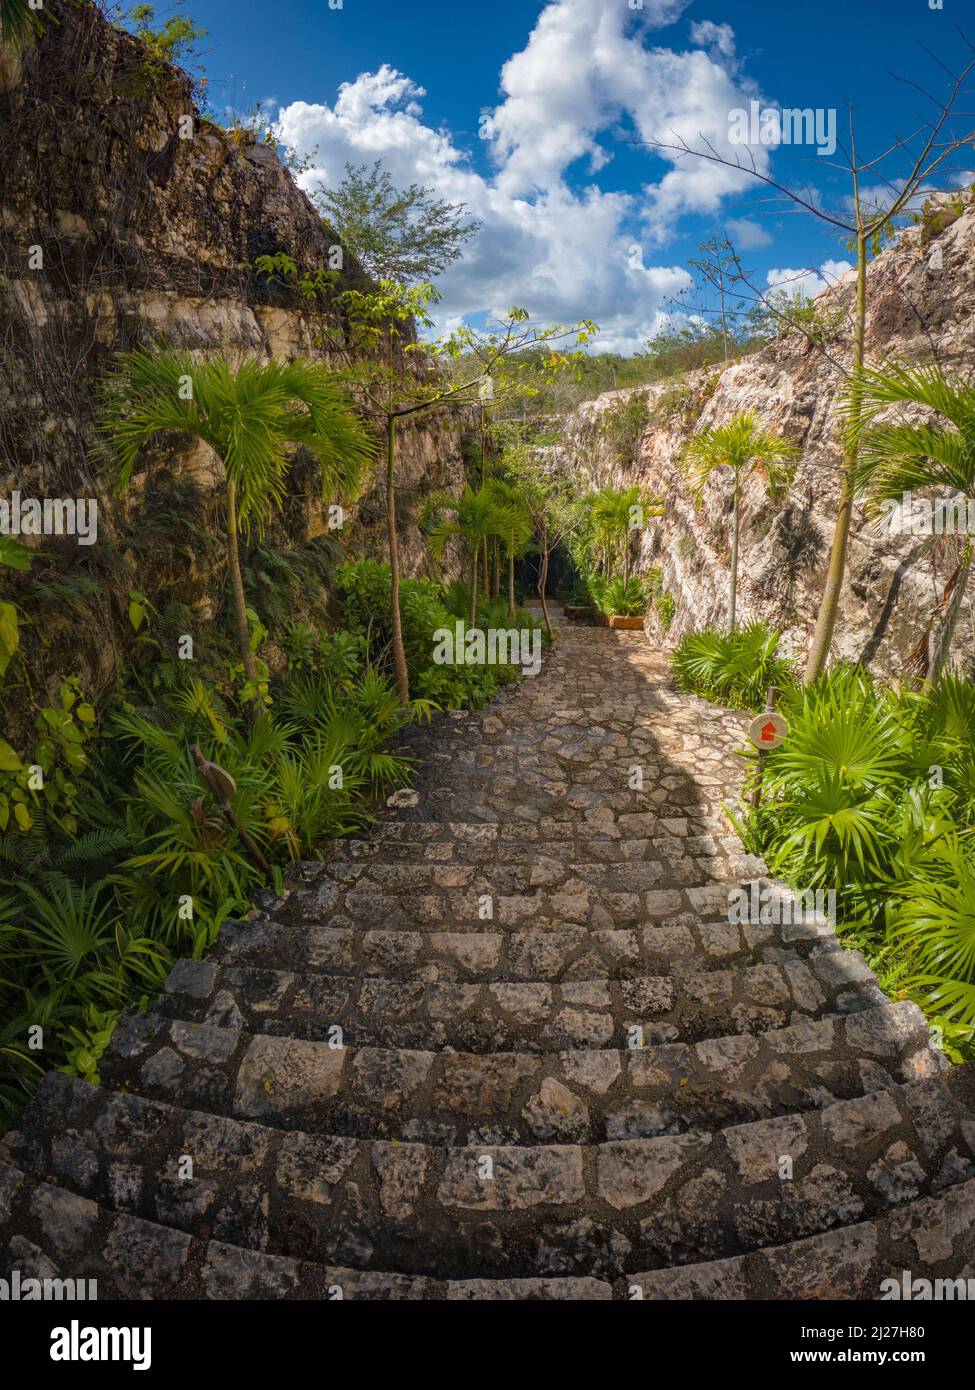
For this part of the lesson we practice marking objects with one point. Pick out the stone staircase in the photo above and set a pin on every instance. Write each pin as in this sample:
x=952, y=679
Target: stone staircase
x=510, y=1046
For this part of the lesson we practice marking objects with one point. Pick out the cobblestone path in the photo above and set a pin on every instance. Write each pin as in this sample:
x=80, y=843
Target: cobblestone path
x=509, y=1046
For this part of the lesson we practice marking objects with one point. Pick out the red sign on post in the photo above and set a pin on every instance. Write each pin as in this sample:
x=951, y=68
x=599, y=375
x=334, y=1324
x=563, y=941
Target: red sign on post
x=768, y=731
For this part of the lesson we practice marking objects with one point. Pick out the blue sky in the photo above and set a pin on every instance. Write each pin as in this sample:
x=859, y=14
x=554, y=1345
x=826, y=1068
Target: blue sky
x=525, y=111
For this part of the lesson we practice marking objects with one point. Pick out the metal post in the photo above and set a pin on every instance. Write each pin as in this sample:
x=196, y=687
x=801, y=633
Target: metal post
x=771, y=700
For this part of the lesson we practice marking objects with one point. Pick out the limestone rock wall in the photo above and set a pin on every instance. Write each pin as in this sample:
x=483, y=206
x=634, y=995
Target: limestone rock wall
x=147, y=237
x=920, y=304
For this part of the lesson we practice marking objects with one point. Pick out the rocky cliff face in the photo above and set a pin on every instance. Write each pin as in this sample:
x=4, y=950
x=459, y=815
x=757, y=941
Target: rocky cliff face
x=921, y=304
x=126, y=219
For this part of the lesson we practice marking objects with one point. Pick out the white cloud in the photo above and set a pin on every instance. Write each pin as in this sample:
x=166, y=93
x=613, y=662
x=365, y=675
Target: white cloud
x=586, y=73
x=707, y=34
x=878, y=198
x=747, y=235
x=809, y=282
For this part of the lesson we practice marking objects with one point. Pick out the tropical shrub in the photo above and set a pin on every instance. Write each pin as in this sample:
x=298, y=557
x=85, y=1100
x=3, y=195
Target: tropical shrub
x=254, y=419
x=666, y=606
x=624, y=597
x=749, y=452
x=873, y=796
x=114, y=859
x=361, y=590
x=732, y=668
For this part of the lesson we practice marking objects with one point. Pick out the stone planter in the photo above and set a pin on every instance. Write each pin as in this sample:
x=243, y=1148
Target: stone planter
x=627, y=624
x=579, y=612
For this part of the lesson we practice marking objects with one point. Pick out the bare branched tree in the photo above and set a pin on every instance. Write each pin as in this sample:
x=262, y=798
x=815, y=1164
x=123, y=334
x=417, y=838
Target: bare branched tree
x=865, y=225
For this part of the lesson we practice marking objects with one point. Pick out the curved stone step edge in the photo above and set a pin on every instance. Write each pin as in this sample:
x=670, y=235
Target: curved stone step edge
x=267, y=1188
x=412, y=1093
x=503, y=1015
x=500, y=834
x=574, y=902
x=647, y=865
x=47, y=1232
x=712, y=1085
x=50, y=1233
x=351, y=860
x=535, y=955
x=930, y=1239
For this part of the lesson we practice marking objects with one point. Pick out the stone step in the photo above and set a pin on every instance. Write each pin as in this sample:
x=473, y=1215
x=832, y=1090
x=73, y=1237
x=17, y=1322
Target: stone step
x=512, y=1211
x=599, y=896
x=626, y=865
x=935, y=1235
x=48, y=1232
x=640, y=838
x=502, y=1097
x=606, y=834
x=420, y=1012
x=533, y=878
x=598, y=796
x=680, y=945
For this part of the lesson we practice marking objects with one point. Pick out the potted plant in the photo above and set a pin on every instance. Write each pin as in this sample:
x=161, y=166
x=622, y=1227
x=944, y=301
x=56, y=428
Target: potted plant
x=623, y=604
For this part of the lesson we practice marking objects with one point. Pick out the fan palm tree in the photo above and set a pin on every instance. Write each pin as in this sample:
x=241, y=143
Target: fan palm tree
x=253, y=419
x=515, y=526
x=749, y=451
x=476, y=517
x=611, y=513
x=899, y=457
x=18, y=22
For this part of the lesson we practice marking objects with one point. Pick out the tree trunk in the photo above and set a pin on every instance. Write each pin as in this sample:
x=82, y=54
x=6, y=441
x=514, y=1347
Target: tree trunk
x=486, y=574
x=735, y=543
x=542, y=581
x=477, y=550
x=496, y=570
x=823, y=636
x=511, y=583
x=237, y=586
x=399, y=654
x=952, y=601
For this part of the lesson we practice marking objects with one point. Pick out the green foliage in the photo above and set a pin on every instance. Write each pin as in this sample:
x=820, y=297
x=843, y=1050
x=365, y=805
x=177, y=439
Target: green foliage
x=873, y=796
x=19, y=22
x=936, y=216
x=744, y=447
x=604, y=524
x=498, y=511
x=253, y=418
x=747, y=451
x=15, y=556
x=279, y=577
x=691, y=346
x=901, y=456
x=172, y=42
x=361, y=591
x=117, y=860
x=9, y=634
x=793, y=311
x=626, y=598
x=666, y=606
x=622, y=426
x=395, y=234
x=44, y=783
x=732, y=668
